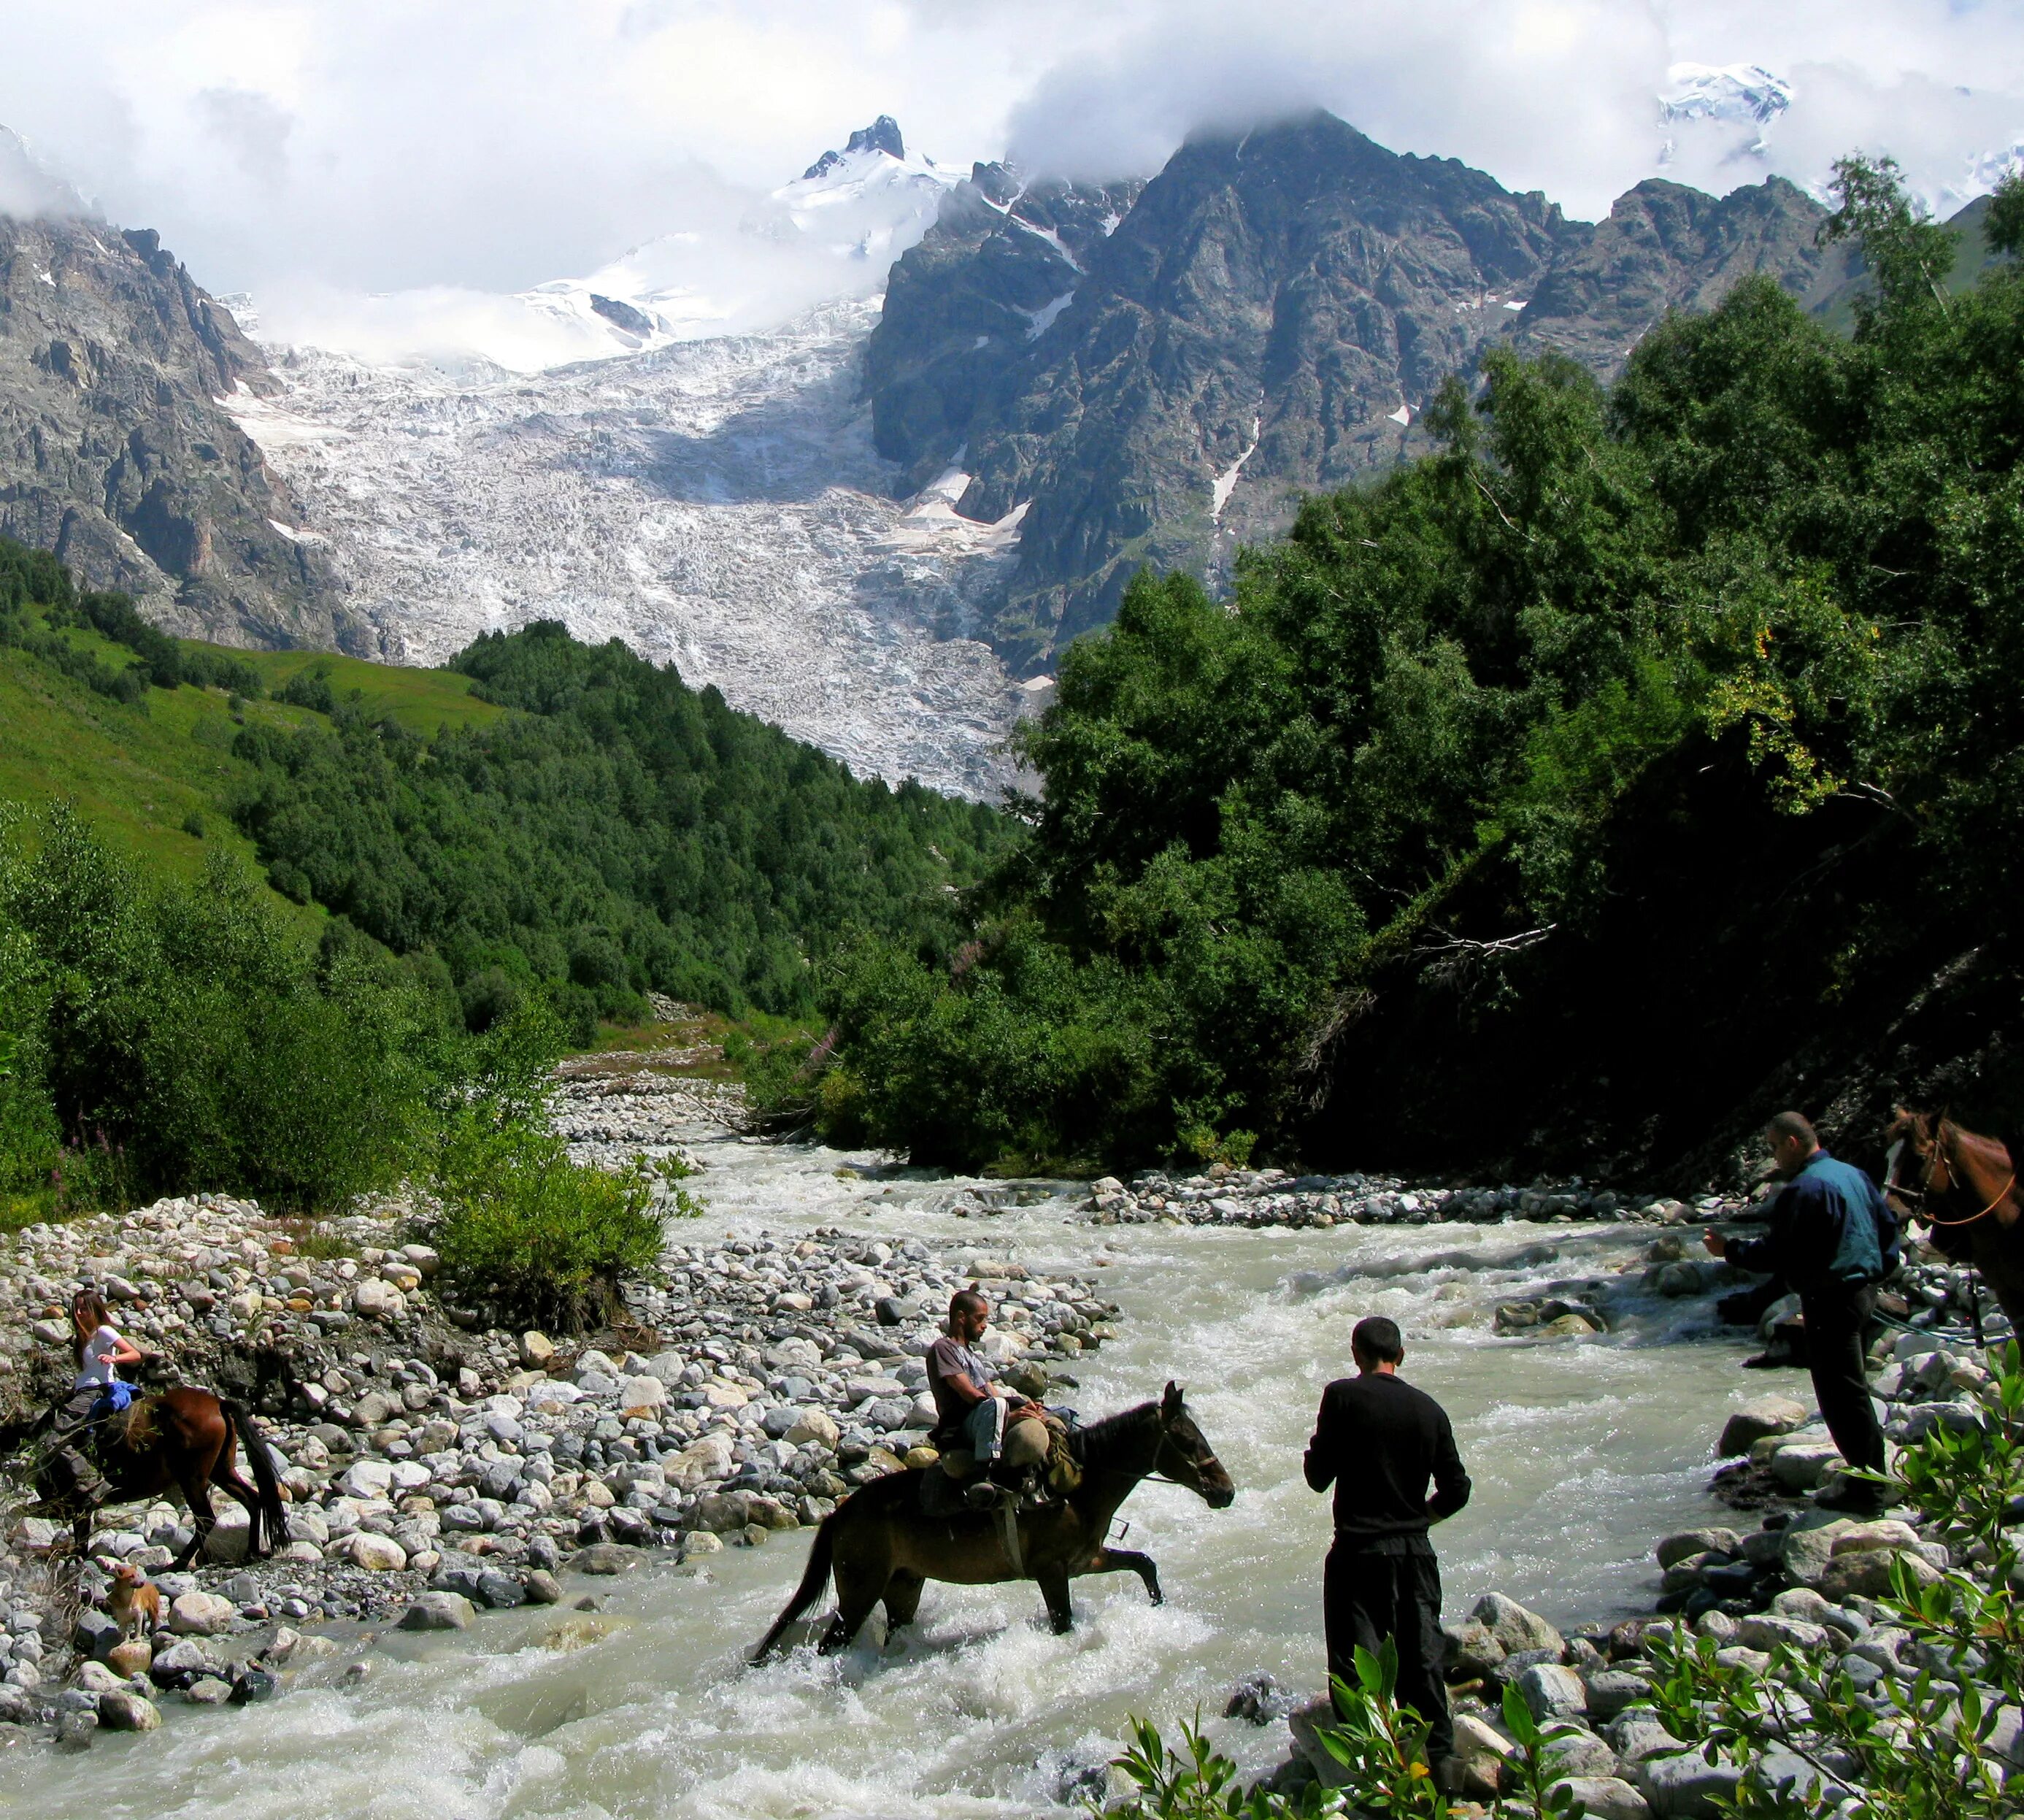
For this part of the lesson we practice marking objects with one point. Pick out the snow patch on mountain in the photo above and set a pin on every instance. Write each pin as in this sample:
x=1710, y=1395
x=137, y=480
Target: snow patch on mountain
x=716, y=503
x=1736, y=91
x=748, y=263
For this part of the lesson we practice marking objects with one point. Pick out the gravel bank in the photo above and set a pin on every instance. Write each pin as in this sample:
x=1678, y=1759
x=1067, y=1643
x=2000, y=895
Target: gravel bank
x=434, y=1465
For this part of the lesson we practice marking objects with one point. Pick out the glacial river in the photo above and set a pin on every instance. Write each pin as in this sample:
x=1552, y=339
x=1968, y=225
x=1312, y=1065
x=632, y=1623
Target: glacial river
x=1582, y=1455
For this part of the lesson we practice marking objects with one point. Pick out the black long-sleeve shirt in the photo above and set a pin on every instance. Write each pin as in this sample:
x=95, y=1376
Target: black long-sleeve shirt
x=1379, y=1441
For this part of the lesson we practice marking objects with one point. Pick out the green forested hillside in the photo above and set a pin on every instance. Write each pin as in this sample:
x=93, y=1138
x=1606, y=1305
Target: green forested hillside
x=1640, y=761
x=255, y=908
x=546, y=818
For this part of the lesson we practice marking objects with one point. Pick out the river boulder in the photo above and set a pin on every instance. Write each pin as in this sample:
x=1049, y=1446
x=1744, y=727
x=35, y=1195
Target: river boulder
x=438, y=1611
x=1551, y=1692
x=1685, y=1787
x=1605, y=1798
x=1753, y=1421
x=200, y=1614
x=122, y=1709
x=1514, y=1628
x=1486, y=1755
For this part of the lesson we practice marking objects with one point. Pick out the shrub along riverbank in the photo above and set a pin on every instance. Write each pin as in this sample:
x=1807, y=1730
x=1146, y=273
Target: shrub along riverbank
x=1640, y=760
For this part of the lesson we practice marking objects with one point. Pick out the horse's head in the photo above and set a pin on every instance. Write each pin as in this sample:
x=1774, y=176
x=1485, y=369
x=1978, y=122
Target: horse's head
x=1915, y=1163
x=1186, y=1457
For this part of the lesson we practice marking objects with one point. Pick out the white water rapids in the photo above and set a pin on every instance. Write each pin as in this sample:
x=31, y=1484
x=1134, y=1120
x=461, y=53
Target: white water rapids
x=1582, y=1455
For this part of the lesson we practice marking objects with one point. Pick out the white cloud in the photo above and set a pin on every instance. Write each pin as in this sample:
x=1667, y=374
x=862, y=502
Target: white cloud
x=324, y=147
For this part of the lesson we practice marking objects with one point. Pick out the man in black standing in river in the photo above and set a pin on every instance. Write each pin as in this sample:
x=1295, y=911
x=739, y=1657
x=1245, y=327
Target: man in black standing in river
x=1380, y=1442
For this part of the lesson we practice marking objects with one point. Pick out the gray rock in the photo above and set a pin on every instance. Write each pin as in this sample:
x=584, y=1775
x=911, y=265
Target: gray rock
x=1472, y=1651
x=122, y=1709
x=500, y=1592
x=1801, y=1466
x=438, y=1611
x=1808, y=1546
x=1514, y=1628
x=1760, y=1416
x=1685, y=1787
x=1552, y=1692
x=543, y=1588
x=1606, y=1798
x=1764, y=1631
x=605, y=1557
x=1693, y=1541
x=1581, y=1753
x=1610, y=1690
x=95, y=1634
x=1637, y=1735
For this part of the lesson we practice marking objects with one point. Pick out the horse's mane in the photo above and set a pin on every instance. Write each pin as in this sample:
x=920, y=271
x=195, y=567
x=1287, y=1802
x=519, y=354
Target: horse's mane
x=1107, y=1431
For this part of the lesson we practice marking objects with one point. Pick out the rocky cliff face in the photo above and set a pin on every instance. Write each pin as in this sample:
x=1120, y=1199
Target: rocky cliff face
x=114, y=453
x=1666, y=247
x=1267, y=317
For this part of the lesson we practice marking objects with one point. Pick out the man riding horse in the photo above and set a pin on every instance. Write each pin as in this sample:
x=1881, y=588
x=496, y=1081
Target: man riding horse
x=980, y=1427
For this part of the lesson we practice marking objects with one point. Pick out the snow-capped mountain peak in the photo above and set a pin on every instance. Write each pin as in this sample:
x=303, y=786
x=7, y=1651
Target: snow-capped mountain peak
x=1736, y=91
x=882, y=135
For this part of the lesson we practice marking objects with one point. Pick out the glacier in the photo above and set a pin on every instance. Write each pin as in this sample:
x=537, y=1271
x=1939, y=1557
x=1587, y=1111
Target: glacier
x=671, y=451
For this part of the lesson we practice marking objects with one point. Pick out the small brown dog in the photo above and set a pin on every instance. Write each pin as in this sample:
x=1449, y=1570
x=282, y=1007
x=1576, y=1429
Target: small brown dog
x=134, y=1604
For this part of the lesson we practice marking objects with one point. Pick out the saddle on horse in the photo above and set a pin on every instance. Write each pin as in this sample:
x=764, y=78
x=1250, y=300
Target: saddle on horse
x=1039, y=1458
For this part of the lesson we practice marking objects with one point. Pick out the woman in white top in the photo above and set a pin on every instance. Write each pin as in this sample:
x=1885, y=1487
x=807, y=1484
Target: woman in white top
x=100, y=1352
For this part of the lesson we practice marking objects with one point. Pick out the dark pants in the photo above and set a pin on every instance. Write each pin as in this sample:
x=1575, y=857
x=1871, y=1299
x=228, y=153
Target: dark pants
x=68, y=1434
x=1837, y=1321
x=1393, y=1590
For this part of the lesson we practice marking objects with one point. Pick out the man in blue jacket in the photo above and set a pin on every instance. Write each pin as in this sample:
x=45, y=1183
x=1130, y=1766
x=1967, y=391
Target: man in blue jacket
x=1833, y=1238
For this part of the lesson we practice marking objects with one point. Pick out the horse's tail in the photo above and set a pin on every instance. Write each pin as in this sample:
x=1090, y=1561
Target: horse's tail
x=813, y=1581
x=264, y=1480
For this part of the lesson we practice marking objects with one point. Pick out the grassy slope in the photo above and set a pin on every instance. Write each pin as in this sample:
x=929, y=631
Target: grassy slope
x=138, y=773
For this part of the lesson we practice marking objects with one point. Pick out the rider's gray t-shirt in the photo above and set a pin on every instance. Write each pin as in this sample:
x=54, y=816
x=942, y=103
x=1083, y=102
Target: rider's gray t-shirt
x=949, y=1357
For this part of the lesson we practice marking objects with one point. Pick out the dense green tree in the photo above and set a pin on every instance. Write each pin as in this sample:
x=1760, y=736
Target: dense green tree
x=1457, y=722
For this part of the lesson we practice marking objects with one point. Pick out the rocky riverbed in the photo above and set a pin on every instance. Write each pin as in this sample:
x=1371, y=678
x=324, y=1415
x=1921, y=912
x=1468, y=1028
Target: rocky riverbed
x=1554, y=1332
x=1224, y=1196
x=1803, y=1578
x=434, y=1466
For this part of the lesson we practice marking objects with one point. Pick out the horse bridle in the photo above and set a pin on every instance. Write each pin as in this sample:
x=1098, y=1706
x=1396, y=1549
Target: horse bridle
x=1934, y=1160
x=1158, y=1477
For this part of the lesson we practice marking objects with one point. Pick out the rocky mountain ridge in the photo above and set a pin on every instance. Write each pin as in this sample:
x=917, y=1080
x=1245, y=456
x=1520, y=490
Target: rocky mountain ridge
x=116, y=454
x=1157, y=374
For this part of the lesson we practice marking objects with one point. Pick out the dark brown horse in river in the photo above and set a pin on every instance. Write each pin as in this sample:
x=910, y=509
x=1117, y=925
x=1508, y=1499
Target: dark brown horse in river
x=1964, y=1187
x=879, y=1546
x=183, y=1439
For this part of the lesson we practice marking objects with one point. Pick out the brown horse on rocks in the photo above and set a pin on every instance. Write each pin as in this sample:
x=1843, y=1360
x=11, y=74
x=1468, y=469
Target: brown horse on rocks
x=1964, y=1187
x=184, y=1439
x=880, y=1546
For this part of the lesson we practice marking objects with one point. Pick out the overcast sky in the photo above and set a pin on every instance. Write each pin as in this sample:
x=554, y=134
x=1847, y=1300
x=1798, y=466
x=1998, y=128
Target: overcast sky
x=379, y=143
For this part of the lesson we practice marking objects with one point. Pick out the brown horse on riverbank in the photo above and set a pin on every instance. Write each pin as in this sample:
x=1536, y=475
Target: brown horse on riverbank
x=1964, y=1187
x=182, y=1438
x=879, y=1546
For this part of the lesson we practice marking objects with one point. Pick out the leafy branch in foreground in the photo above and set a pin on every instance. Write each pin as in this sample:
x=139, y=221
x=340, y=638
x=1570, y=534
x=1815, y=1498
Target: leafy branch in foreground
x=1805, y=1736
x=1382, y=1746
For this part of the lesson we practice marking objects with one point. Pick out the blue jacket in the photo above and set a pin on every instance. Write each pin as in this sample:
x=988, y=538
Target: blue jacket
x=1830, y=1225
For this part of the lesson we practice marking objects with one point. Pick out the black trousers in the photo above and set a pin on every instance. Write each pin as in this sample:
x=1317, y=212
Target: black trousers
x=1837, y=1321
x=1369, y=1593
